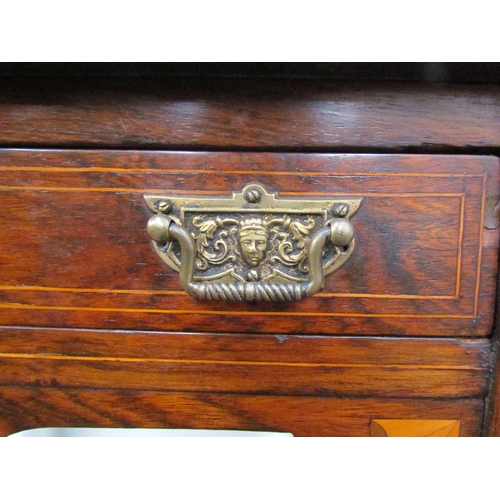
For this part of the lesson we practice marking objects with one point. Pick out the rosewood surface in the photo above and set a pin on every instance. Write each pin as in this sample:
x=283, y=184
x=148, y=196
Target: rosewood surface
x=95, y=331
x=24, y=408
x=244, y=364
x=75, y=252
x=252, y=114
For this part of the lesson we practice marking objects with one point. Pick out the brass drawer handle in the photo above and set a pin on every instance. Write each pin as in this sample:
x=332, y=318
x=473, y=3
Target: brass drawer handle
x=253, y=246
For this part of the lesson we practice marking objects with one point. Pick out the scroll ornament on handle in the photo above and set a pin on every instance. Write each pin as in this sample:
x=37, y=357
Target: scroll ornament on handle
x=253, y=245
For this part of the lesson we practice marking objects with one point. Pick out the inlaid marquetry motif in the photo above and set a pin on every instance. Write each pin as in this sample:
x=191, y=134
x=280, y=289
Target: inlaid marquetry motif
x=414, y=428
x=257, y=245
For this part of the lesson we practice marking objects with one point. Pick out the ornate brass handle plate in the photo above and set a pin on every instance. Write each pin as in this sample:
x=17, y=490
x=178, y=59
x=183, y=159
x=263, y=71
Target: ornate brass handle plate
x=253, y=245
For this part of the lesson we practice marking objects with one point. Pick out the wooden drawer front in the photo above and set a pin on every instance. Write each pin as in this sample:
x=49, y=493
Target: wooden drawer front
x=26, y=408
x=75, y=253
x=252, y=364
x=316, y=386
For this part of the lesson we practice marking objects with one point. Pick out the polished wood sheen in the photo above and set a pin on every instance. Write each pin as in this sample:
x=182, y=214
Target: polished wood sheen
x=304, y=385
x=76, y=253
x=244, y=364
x=96, y=331
x=252, y=114
x=25, y=408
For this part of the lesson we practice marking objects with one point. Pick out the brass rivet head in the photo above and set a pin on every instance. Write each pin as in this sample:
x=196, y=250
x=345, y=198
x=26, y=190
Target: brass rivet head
x=341, y=232
x=164, y=206
x=253, y=196
x=340, y=210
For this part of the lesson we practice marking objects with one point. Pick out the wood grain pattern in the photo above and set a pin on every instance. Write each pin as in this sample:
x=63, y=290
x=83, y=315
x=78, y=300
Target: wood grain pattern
x=474, y=354
x=232, y=114
x=242, y=377
x=24, y=408
x=414, y=428
x=492, y=416
x=422, y=266
x=255, y=364
x=106, y=336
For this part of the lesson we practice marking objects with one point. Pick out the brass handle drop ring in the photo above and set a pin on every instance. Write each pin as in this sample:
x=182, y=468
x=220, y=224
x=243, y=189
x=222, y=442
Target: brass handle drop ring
x=253, y=246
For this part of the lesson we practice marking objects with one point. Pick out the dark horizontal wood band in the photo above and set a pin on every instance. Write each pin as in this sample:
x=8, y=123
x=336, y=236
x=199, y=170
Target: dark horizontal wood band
x=61, y=73
x=246, y=114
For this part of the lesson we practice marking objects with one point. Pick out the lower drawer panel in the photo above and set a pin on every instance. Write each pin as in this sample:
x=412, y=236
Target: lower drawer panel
x=24, y=408
x=292, y=365
x=318, y=386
